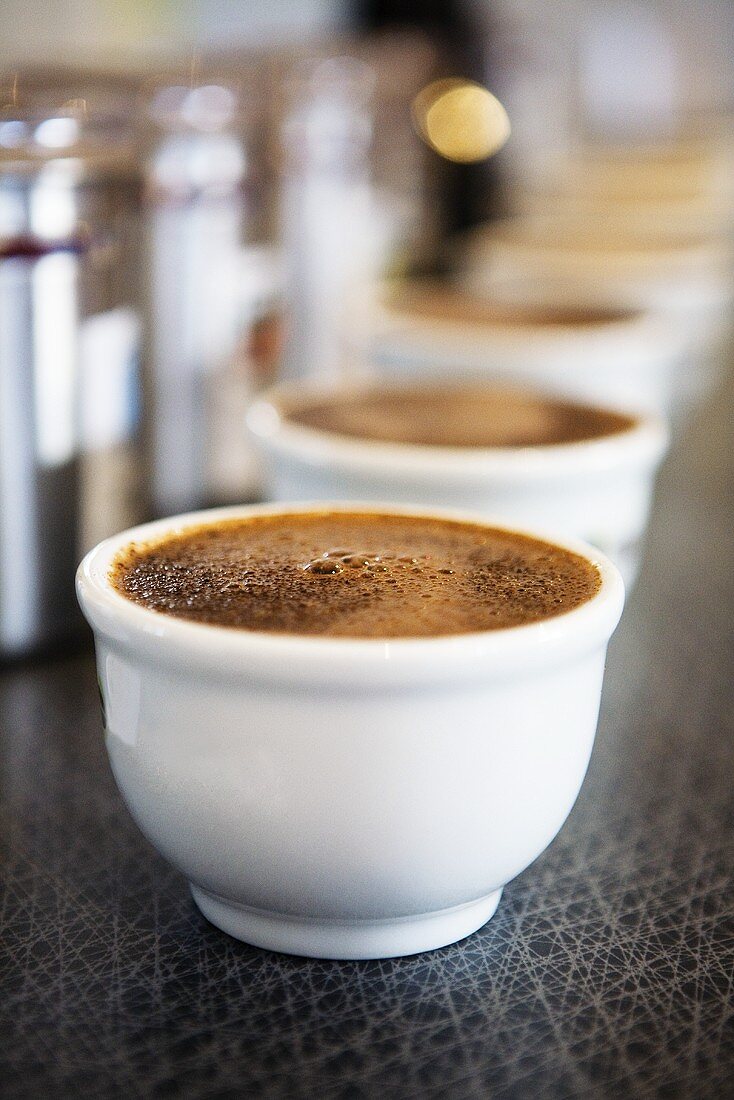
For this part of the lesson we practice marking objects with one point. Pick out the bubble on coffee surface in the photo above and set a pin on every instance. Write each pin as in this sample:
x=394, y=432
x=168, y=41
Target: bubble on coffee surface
x=324, y=566
x=367, y=563
x=354, y=575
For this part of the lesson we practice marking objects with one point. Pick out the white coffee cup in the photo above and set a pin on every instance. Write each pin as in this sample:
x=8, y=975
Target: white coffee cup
x=345, y=798
x=623, y=357
x=599, y=490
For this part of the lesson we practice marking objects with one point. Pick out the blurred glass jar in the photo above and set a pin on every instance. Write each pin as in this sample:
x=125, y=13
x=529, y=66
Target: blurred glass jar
x=195, y=215
x=330, y=235
x=69, y=341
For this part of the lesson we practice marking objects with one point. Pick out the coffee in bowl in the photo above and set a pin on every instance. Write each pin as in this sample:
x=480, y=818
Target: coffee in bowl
x=478, y=416
x=439, y=302
x=357, y=575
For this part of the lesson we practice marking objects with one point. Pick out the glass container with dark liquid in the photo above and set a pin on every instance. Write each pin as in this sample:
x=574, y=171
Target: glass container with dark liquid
x=69, y=354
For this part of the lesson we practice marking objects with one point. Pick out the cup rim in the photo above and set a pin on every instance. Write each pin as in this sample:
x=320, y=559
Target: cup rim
x=645, y=440
x=306, y=660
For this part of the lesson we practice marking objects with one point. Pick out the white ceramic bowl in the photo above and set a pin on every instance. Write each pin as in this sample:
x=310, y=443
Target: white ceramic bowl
x=623, y=357
x=598, y=490
x=345, y=798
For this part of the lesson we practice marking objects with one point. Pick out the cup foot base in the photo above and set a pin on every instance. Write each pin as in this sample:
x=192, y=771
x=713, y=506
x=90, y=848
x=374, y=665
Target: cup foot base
x=342, y=939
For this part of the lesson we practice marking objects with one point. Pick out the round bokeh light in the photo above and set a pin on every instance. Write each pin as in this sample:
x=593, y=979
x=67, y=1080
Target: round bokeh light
x=460, y=120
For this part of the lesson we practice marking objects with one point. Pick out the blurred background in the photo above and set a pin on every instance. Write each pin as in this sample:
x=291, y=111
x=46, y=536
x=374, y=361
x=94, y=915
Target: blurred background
x=199, y=199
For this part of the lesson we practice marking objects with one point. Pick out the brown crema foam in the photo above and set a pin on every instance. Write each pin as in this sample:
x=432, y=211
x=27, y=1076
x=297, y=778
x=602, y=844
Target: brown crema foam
x=433, y=302
x=354, y=575
x=450, y=416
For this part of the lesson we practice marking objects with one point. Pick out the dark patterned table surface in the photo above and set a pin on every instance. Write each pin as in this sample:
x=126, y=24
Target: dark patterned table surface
x=606, y=972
